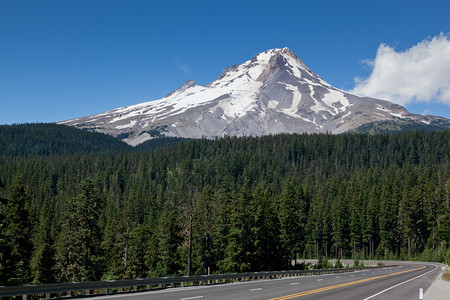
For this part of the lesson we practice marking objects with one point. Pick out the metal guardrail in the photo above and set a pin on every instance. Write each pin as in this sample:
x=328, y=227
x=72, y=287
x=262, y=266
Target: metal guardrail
x=149, y=283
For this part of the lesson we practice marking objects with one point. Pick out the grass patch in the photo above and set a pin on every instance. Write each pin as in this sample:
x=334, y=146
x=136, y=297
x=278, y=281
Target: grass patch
x=446, y=275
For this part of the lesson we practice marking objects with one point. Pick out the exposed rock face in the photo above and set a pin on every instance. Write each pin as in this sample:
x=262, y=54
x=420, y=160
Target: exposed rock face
x=185, y=86
x=274, y=92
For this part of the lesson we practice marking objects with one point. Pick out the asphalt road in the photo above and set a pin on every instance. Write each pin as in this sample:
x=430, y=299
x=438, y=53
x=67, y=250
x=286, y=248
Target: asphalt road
x=401, y=282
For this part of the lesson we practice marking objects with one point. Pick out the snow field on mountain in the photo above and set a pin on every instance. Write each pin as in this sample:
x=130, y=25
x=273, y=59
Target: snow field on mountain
x=274, y=92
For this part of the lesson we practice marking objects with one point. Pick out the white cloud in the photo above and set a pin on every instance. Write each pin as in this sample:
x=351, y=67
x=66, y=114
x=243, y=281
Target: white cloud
x=419, y=74
x=183, y=67
x=179, y=64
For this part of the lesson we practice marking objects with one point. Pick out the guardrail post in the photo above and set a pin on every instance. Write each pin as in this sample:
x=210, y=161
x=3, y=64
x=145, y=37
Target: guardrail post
x=24, y=297
x=48, y=295
x=88, y=292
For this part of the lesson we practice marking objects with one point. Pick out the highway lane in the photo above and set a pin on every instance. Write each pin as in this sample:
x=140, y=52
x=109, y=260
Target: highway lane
x=401, y=282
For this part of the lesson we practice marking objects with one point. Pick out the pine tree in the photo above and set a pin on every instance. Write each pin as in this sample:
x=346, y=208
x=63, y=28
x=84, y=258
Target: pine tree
x=18, y=232
x=371, y=216
x=170, y=241
x=43, y=260
x=389, y=211
x=140, y=244
x=6, y=263
x=340, y=226
x=292, y=216
x=221, y=213
x=78, y=252
x=266, y=232
x=239, y=249
x=204, y=230
x=115, y=247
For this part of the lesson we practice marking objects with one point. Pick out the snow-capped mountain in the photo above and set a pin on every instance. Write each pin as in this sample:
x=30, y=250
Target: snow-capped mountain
x=274, y=92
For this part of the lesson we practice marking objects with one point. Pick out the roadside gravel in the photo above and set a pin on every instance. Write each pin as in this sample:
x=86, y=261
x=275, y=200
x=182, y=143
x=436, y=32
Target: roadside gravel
x=439, y=289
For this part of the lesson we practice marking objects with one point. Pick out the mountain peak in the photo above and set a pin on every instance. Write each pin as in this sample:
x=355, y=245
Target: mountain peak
x=274, y=92
x=288, y=51
x=231, y=68
x=188, y=84
x=277, y=51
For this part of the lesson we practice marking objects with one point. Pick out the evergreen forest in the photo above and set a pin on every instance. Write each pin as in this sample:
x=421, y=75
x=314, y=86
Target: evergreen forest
x=105, y=210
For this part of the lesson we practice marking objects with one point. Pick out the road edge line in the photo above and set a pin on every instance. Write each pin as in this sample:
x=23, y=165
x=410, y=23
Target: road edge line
x=394, y=286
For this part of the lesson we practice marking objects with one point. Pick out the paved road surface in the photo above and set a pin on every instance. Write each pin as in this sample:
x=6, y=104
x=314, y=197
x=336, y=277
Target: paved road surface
x=401, y=282
x=440, y=289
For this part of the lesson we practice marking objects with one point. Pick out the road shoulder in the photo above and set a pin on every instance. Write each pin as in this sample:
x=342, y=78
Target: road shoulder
x=439, y=289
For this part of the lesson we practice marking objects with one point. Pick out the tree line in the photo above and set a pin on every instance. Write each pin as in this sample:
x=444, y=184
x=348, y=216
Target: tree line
x=225, y=205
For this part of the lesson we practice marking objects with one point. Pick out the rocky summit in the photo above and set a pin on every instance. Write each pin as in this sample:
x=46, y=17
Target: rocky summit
x=274, y=92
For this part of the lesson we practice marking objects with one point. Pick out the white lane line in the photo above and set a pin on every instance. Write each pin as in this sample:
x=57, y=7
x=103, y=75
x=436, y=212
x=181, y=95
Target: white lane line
x=196, y=297
x=338, y=277
x=319, y=279
x=294, y=283
x=394, y=286
x=257, y=289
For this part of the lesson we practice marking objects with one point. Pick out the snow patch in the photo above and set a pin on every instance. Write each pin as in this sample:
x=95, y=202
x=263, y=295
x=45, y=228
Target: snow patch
x=379, y=107
x=396, y=115
x=335, y=97
x=129, y=125
x=272, y=104
x=292, y=64
x=317, y=107
x=297, y=97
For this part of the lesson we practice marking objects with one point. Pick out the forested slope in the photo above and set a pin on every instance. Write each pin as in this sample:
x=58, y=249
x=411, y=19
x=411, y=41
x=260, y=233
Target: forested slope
x=243, y=204
x=53, y=139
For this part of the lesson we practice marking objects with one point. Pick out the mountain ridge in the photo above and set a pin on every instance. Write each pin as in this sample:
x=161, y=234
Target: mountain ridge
x=46, y=139
x=274, y=92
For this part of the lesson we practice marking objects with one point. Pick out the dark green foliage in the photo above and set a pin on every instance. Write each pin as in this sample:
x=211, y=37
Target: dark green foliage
x=383, y=127
x=43, y=260
x=170, y=241
x=240, y=247
x=225, y=205
x=18, y=233
x=124, y=135
x=51, y=139
x=159, y=142
x=268, y=248
x=338, y=264
x=293, y=211
x=6, y=264
x=204, y=226
x=78, y=253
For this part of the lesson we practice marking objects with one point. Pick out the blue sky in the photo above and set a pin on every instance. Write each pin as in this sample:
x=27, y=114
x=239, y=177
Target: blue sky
x=66, y=59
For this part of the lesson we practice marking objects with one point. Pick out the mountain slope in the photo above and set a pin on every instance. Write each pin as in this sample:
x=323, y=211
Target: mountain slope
x=274, y=92
x=52, y=139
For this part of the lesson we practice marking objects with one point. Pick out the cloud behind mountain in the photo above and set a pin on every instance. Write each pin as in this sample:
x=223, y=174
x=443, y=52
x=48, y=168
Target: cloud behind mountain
x=418, y=74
